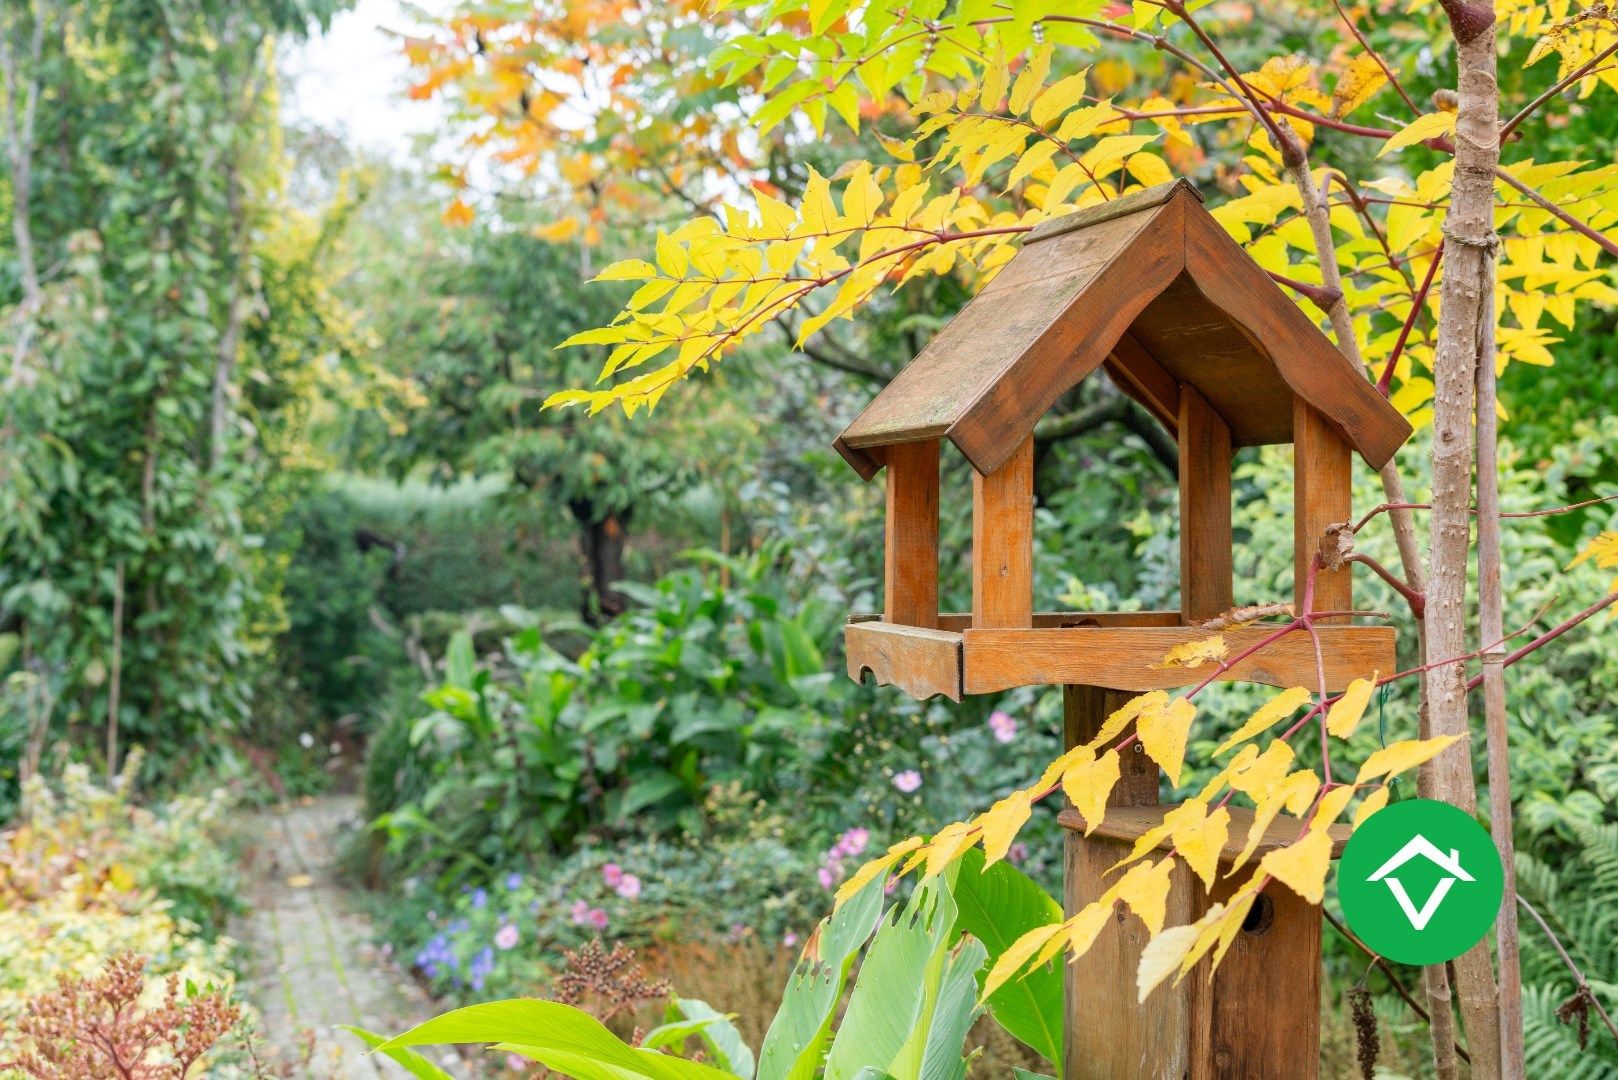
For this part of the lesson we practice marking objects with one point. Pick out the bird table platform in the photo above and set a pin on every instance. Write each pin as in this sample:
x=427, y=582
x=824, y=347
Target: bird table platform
x=1151, y=290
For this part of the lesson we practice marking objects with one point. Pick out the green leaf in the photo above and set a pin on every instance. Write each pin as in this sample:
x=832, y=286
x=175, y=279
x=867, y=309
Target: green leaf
x=796, y=1041
x=889, y=1010
x=556, y=1035
x=730, y=1051
x=412, y=1062
x=997, y=907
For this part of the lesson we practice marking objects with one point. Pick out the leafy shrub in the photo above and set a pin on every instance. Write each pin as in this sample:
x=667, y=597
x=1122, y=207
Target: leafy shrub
x=89, y=875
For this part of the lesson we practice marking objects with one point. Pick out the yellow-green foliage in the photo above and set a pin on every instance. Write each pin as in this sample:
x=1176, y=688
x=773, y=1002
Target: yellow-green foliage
x=73, y=892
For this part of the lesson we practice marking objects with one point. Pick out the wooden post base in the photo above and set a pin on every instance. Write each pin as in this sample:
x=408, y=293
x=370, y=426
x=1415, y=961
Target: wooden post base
x=1257, y=1019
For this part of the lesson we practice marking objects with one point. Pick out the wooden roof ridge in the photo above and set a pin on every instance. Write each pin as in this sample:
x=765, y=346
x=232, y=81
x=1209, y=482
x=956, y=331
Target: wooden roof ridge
x=1153, y=266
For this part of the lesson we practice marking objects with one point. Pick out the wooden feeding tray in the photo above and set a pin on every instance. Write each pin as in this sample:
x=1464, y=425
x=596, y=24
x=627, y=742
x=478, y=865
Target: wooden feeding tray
x=1122, y=650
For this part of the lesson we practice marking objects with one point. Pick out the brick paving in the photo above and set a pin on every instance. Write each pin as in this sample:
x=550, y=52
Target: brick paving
x=312, y=961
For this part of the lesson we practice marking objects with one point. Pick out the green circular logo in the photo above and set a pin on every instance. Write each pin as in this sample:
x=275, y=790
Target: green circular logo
x=1420, y=881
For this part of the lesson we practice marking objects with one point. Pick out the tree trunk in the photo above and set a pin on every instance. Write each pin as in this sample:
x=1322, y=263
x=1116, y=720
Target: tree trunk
x=1491, y=634
x=1464, y=312
x=603, y=536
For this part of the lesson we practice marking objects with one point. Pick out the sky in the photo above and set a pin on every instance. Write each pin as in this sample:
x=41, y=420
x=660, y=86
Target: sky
x=351, y=79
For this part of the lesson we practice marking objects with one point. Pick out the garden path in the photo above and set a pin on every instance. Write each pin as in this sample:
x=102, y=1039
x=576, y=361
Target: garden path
x=312, y=961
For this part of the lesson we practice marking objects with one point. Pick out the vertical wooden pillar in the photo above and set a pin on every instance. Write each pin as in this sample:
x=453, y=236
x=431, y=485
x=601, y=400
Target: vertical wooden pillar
x=1323, y=477
x=910, y=564
x=1205, y=539
x=1109, y=1036
x=1003, y=543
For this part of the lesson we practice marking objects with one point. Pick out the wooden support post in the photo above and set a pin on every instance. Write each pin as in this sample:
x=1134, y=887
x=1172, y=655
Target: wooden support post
x=1003, y=543
x=1323, y=481
x=1205, y=538
x=910, y=584
x=1259, y=1017
x=1109, y=1036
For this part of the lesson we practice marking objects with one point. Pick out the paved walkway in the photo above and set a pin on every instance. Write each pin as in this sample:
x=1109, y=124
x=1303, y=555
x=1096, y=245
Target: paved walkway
x=311, y=960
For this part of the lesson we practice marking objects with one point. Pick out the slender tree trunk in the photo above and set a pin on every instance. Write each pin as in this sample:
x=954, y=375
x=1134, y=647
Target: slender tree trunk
x=1491, y=632
x=1435, y=979
x=1464, y=312
x=115, y=680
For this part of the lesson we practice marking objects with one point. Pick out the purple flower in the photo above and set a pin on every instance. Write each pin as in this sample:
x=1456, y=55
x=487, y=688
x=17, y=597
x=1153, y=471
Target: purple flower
x=506, y=937
x=482, y=965
x=513, y=882
x=1002, y=726
x=907, y=781
x=480, y=899
x=628, y=887
x=612, y=874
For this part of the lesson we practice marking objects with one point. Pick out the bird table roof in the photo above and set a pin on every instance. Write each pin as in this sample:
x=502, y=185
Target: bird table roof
x=1152, y=287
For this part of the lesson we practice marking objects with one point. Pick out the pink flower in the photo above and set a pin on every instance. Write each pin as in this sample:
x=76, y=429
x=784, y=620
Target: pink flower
x=506, y=937
x=598, y=918
x=907, y=781
x=612, y=874
x=628, y=886
x=1017, y=854
x=580, y=913
x=789, y=940
x=826, y=877
x=852, y=842
x=1002, y=726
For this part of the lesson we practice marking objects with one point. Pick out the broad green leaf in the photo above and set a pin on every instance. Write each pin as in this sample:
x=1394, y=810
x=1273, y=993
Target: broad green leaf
x=412, y=1062
x=724, y=1042
x=900, y=971
x=559, y=1036
x=796, y=1041
x=997, y=906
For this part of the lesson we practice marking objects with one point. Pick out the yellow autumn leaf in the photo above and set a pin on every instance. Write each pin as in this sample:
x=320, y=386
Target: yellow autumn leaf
x=1302, y=866
x=995, y=81
x=1344, y=715
x=879, y=865
x=1163, y=733
x=1145, y=891
x=952, y=840
x=1162, y=956
x=1373, y=802
x=1296, y=788
x=1061, y=96
x=1087, y=786
x=1331, y=807
x=1245, y=757
x=1358, y=83
x=1080, y=931
x=1193, y=654
x=1016, y=957
x=1603, y=551
x=1420, y=129
x=1200, y=844
x=1001, y=824
x=1221, y=929
x=1268, y=715
x=1397, y=757
x=1030, y=79
x=1120, y=718
x=1149, y=170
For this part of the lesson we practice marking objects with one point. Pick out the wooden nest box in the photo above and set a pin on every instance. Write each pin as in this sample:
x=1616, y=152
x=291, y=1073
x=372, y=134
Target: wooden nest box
x=1151, y=289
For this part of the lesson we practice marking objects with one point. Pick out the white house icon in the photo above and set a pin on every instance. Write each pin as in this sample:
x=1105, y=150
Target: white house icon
x=1450, y=864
